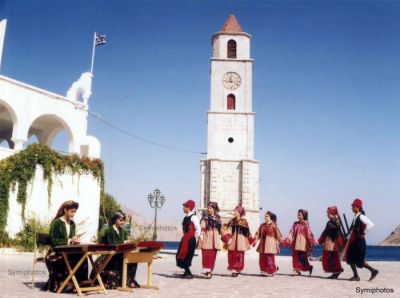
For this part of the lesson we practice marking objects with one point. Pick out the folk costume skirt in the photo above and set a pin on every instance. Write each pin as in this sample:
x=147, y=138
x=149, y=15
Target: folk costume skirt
x=235, y=260
x=112, y=273
x=300, y=260
x=267, y=263
x=331, y=262
x=58, y=270
x=208, y=258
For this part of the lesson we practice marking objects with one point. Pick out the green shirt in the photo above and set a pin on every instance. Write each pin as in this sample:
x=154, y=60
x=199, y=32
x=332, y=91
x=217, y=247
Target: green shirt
x=58, y=232
x=111, y=236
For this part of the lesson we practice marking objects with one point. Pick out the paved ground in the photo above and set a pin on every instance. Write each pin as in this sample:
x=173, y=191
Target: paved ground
x=15, y=270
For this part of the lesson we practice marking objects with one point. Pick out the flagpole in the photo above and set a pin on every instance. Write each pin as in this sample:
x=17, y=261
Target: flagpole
x=3, y=25
x=93, y=51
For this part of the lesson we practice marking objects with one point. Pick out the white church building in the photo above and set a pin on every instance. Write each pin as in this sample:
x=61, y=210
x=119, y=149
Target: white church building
x=27, y=110
x=230, y=174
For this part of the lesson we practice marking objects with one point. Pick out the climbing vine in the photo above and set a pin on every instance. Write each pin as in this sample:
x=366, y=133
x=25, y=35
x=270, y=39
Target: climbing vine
x=19, y=170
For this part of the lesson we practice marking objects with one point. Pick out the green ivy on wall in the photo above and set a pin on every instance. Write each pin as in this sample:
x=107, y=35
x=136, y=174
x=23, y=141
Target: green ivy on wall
x=19, y=170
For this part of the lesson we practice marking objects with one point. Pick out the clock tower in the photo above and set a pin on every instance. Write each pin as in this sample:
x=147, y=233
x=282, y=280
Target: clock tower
x=230, y=173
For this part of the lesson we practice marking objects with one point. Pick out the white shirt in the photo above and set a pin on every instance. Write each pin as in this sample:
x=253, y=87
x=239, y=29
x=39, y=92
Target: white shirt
x=365, y=220
x=67, y=227
x=116, y=229
x=196, y=222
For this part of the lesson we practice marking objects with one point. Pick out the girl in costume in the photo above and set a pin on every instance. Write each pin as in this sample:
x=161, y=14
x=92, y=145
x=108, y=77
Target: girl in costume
x=332, y=240
x=270, y=237
x=63, y=232
x=210, y=237
x=239, y=240
x=112, y=274
x=301, y=241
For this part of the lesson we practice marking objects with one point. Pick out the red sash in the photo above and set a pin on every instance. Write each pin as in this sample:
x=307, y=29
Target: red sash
x=184, y=249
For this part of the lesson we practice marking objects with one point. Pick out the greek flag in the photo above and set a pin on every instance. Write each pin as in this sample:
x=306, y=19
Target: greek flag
x=100, y=39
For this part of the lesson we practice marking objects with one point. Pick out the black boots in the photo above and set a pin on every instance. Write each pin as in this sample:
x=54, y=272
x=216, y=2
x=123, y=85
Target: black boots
x=187, y=274
x=374, y=273
x=334, y=276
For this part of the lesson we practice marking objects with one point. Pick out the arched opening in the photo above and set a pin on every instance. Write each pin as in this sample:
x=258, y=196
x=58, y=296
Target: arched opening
x=231, y=102
x=231, y=49
x=7, y=119
x=61, y=142
x=32, y=139
x=79, y=95
x=52, y=131
x=4, y=143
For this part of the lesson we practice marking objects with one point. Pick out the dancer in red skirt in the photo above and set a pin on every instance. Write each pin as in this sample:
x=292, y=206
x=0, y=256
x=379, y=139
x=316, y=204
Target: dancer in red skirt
x=301, y=241
x=240, y=241
x=332, y=239
x=269, y=236
x=191, y=230
x=210, y=237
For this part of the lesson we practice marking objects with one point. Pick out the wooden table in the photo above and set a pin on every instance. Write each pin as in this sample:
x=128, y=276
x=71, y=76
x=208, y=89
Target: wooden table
x=87, y=251
x=145, y=254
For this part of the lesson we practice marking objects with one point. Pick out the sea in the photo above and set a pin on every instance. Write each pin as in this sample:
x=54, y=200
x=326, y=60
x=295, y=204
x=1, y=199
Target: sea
x=374, y=252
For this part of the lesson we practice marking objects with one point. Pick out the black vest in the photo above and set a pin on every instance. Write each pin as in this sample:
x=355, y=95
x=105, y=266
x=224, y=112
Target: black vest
x=358, y=228
x=187, y=220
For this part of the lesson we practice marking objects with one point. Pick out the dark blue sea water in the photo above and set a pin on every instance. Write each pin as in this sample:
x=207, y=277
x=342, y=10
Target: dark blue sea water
x=374, y=252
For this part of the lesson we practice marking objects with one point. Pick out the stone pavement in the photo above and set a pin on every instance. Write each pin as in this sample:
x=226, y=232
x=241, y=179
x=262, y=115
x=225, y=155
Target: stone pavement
x=15, y=270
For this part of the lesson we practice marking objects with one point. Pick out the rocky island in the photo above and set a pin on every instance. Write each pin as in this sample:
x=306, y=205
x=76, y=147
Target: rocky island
x=393, y=239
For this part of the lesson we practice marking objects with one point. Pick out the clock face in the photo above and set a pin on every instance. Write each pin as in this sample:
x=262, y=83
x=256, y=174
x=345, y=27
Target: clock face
x=231, y=80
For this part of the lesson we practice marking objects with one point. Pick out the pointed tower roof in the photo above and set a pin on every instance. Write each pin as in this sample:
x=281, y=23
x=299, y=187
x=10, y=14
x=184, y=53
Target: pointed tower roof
x=231, y=25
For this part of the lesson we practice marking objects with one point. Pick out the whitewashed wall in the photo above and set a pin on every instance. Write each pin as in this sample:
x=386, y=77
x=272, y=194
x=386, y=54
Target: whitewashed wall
x=5, y=152
x=48, y=113
x=84, y=189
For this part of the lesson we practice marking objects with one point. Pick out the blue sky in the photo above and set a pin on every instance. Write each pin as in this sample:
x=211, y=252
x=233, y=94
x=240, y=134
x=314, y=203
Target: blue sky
x=325, y=91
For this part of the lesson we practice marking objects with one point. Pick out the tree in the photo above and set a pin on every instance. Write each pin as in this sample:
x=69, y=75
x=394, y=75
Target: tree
x=108, y=206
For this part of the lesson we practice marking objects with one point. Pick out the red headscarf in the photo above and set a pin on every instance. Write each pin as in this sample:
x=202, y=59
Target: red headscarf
x=240, y=209
x=213, y=205
x=333, y=210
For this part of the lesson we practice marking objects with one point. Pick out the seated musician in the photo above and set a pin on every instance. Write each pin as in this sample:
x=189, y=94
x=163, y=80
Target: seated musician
x=62, y=232
x=112, y=274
